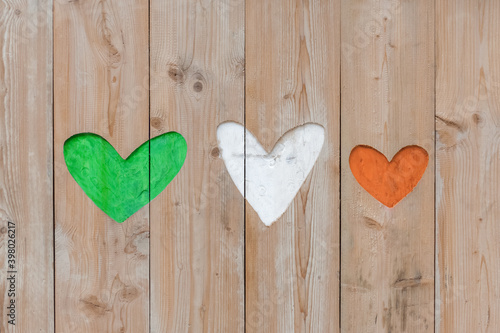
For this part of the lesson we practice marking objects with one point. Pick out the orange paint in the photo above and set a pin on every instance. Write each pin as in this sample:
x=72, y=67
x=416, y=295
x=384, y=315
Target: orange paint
x=388, y=182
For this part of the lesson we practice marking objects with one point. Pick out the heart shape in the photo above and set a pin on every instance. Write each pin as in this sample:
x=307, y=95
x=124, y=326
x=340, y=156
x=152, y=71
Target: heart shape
x=388, y=182
x=120, y=187
x=272, y=179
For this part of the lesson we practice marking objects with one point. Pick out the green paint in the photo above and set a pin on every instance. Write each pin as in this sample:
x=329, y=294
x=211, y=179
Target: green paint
x=121, y=187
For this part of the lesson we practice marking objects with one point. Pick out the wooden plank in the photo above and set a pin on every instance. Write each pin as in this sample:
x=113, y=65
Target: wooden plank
x=292, y=77
x=101, y=86
x=468, y=165
x=387, y=254
x=26, y=180
x=197, y=80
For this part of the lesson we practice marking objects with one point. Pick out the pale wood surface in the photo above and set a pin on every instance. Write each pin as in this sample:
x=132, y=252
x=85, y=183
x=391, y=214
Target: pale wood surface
x=387, y=254
x=202, y=253
x=468, y=166
x=197, y=223
x=292, y=77
x=26, y=162
x=100, y=86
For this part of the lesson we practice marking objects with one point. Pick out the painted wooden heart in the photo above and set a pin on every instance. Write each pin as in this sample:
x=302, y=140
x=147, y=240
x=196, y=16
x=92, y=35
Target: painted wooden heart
x=120, y=187
x=388, y=182
x=272, y=179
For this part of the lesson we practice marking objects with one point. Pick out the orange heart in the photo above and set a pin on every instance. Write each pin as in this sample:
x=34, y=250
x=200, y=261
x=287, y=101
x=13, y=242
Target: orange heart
x=388, y=182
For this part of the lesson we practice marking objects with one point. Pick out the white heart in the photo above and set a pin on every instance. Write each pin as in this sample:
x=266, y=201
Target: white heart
x=272, y=179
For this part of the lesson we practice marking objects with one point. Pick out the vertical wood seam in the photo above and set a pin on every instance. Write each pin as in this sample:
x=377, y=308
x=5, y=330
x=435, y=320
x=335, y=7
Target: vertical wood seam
x=52, y=34
x=245, y=169
x=436, y=283
x=340, y=170
x=149, y=160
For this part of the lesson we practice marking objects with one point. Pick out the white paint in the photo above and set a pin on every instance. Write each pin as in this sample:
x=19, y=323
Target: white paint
x=272, y=179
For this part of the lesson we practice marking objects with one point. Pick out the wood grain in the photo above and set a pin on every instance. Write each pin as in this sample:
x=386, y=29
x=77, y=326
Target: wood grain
x=26, y=179
x=101, y=79
x=293, y=60
x=292, y=77
x=197, y=82
x=387, y=254
x=468, y=166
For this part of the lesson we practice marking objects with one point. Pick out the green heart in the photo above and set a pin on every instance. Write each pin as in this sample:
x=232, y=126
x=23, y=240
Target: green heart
x=121, y=187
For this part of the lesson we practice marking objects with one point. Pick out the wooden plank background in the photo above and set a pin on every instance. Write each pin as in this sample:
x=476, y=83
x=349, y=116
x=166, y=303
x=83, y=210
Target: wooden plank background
x=26, y=163
x=468, y=166
x=197, y=223
x=292, y=78
x=100, y=86
x=387, y=254
x=385, y=73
